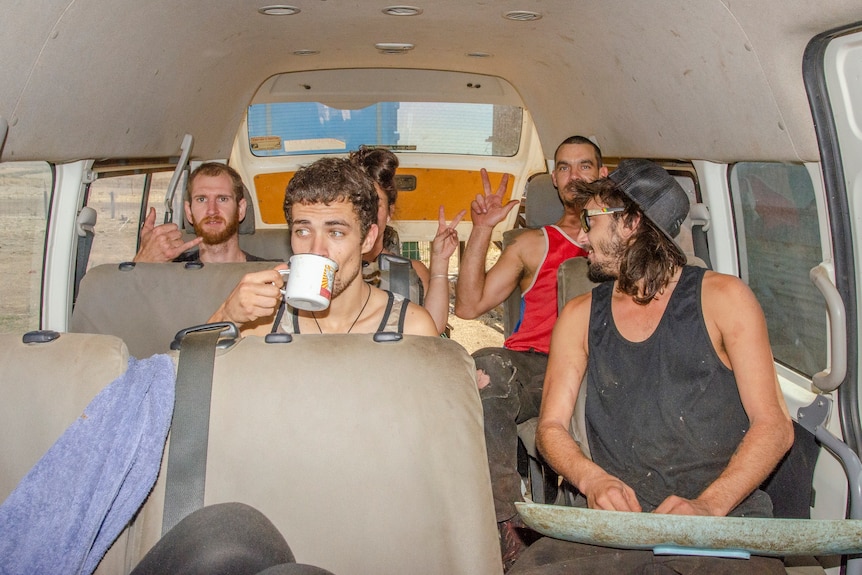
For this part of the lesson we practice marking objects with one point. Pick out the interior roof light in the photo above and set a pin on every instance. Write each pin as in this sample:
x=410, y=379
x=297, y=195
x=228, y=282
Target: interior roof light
x=402, y=11
x=279, y=10
x=522, y=15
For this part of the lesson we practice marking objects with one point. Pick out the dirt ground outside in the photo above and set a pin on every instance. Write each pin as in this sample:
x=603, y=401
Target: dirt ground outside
x=484, y=331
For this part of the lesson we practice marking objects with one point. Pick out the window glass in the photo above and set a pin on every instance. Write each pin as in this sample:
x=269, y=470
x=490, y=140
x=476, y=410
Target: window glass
x=779, y=243
x=25, y=192
x=117, y=201
x=290, y=128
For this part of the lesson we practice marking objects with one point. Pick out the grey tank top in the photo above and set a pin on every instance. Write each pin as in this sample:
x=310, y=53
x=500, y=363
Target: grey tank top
x=287, y=320
x=664, y=415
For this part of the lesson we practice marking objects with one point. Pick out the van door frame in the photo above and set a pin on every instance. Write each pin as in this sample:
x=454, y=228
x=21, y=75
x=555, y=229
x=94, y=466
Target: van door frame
x=814, y=70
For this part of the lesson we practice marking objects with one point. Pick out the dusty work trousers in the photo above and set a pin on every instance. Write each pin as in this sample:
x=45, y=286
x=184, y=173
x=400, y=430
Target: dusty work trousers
x=513, y=396
x=554, y=557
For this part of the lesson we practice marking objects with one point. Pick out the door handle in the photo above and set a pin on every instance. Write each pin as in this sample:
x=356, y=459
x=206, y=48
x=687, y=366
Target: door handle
x=829, y=379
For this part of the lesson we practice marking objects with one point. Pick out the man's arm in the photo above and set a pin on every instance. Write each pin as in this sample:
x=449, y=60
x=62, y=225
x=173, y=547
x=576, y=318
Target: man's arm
x=162, y=243
x=253, y=302
x=477, y=291
x=737, y=327
x=567, y=364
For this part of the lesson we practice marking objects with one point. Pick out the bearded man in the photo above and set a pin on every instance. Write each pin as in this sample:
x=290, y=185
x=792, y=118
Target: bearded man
x=215, y=206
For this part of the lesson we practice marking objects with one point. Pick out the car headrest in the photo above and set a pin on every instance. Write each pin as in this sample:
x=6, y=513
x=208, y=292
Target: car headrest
x=543, y=205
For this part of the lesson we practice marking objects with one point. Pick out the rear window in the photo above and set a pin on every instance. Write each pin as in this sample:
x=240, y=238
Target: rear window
x=294, y=128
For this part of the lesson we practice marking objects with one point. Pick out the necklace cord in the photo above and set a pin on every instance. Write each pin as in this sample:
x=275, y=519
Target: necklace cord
x=367, y=298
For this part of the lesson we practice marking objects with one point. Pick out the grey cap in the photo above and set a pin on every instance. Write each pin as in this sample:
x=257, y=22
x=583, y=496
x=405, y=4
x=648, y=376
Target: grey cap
x=655, y=191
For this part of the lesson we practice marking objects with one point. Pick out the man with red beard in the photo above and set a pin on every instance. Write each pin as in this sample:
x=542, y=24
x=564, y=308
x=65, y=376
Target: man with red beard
x=215, y=206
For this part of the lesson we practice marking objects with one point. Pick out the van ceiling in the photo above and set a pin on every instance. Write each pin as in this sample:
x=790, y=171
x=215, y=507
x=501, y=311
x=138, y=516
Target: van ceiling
x=712, y=79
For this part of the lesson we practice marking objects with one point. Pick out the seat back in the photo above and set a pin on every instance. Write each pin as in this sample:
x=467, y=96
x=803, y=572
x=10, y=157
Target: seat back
x=364, y=471
x=270, y=244
x=45, y=387
x=147, y=304
x=543, y=205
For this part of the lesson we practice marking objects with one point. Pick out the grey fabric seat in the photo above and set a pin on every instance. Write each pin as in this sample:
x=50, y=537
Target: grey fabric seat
x=45, y=387
x=147, y=304
x=363, y=470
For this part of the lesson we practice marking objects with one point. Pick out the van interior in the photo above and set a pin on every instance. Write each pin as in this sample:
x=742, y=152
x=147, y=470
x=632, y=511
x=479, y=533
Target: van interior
x=105, y=108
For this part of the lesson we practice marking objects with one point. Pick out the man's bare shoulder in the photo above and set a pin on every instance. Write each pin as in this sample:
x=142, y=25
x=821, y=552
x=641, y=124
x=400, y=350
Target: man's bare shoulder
x=526, y=236
x=418, y=321
x=578, y=307
x=716, y=283
x=725, y=295
x=528, y=246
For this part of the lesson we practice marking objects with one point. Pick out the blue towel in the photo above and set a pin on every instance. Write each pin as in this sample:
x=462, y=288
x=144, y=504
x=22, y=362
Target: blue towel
x=73, y=504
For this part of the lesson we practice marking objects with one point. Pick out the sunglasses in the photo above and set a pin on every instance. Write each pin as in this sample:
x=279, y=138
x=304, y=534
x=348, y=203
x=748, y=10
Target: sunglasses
x=587, y=214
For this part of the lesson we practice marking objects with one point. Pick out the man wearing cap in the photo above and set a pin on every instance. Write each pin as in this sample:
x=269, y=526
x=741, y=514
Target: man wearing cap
x=684, y=414
x=515, y=372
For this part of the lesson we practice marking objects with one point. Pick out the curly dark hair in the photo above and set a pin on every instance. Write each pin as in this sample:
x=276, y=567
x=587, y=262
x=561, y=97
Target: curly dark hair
x=650, y=256
x=331, y=180
x=380, y=164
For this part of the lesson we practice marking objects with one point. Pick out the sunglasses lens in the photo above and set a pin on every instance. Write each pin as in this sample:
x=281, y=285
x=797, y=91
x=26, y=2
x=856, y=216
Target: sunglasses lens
x=585, y=221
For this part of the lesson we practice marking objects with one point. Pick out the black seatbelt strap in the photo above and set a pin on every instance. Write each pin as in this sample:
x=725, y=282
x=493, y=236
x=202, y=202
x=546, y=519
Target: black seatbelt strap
x=399, y=273
x=187, y=455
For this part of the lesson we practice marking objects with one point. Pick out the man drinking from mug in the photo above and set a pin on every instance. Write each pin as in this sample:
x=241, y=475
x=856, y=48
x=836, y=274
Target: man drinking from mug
x=331, y=211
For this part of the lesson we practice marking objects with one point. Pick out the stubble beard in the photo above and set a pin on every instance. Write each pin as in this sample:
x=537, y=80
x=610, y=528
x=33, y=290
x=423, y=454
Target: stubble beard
x=609, y=269
x=341, y=282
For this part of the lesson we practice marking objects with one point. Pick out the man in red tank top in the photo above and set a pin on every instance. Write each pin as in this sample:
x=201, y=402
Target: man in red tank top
x=516, y=371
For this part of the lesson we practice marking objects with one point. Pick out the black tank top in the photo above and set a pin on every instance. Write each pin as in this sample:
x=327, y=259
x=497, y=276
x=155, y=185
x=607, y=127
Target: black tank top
x=663, y=415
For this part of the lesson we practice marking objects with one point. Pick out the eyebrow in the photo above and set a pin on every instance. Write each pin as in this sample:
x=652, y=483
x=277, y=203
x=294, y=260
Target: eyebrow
x=327, y=223
x=586, y=161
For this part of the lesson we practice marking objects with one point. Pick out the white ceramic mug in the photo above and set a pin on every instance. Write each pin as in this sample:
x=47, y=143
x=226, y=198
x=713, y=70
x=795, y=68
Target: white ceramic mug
x=309, y=281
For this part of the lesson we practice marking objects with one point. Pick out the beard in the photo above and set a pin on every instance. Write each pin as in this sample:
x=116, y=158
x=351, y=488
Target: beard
x=216, y=237
x=608, y=268
x=598, y=274
x=568, y=197
x=342, y=281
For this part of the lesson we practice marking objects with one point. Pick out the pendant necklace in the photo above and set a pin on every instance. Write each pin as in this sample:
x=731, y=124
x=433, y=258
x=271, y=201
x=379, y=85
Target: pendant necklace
x=368, y=297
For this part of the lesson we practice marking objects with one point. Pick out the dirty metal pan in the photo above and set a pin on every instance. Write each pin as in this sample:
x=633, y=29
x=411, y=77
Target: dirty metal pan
x=728, y=536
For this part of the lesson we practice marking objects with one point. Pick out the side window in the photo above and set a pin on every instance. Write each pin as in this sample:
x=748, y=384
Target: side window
x=25, y=193
x=117, y=201
x=779, y=242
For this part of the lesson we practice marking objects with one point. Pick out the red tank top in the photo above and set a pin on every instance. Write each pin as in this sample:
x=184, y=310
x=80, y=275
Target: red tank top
x=539, y=301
